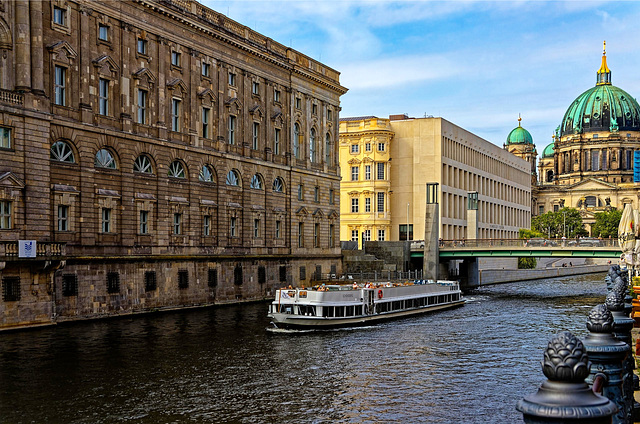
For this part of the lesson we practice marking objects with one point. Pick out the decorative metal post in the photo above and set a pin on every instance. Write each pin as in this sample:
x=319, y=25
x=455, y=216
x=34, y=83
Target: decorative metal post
x=565, y=397
x=606, y=354
x=622, y=326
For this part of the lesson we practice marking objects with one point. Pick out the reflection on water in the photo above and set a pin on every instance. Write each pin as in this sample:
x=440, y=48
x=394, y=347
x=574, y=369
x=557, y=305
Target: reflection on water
x=469, y=364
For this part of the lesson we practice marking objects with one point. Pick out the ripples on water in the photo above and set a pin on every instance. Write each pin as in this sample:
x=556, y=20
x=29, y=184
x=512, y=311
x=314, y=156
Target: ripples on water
x=220, y=365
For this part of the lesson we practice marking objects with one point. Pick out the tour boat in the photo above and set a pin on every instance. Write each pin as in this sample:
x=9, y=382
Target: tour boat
x=339, y=305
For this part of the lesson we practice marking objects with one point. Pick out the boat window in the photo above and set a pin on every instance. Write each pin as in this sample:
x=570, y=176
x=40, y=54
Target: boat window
x=350, y=311
x=339, y=311
x=358, y=310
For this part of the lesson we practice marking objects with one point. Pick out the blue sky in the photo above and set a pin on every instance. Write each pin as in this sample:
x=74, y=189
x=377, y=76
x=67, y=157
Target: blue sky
x=477, y=64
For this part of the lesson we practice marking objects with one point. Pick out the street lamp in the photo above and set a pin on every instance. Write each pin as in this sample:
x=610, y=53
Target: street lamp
x=564, y=223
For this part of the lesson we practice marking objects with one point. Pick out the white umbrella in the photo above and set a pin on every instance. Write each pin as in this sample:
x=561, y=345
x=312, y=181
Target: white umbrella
x=627, y=234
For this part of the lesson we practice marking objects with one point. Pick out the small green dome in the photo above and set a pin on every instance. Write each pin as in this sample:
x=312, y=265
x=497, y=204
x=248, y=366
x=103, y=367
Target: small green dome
x=519, y=135
x=548, y=151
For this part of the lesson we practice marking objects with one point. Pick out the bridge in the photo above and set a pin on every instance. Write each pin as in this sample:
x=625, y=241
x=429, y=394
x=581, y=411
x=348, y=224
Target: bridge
x=537, y=248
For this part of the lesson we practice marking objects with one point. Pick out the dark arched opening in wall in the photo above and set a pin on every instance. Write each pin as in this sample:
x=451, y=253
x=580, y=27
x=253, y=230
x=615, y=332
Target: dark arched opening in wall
x=549, y=176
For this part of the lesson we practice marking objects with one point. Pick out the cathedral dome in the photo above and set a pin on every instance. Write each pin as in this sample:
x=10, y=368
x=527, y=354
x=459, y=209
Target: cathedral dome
x=548, y=151
x=604, y=107
x=519, y=135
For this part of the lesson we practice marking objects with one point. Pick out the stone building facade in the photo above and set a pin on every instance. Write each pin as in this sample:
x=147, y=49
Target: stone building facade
x=160, y=155
x=428, y=150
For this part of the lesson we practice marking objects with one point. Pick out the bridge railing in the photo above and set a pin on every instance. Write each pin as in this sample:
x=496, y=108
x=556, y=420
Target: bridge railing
x=581, y=242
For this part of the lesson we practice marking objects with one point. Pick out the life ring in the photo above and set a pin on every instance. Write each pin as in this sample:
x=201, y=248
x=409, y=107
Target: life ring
x=379, y=294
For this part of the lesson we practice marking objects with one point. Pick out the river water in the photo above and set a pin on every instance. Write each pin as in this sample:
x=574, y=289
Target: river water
x=220, y=365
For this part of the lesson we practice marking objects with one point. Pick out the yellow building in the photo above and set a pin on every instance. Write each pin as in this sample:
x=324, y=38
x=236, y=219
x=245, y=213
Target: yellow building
x=428, y=150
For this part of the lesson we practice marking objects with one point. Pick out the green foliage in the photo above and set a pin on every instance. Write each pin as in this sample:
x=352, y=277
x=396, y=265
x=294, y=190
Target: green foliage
x=525, y=234
x=527, y=263
x=567, y=221
x=606, y=224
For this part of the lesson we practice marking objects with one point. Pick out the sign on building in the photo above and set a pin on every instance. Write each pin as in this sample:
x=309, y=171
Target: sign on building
x=26, y=248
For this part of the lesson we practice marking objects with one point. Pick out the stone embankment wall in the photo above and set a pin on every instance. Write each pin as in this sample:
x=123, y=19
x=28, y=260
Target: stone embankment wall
x=497, y=276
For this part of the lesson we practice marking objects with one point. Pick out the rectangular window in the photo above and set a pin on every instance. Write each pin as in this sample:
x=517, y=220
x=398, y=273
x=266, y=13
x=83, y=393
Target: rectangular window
x=404, y=234
x=329, y=115
x=367, y=147
x=283, y=273
x=142, y=106
x=183, y=279
x=331, y=229
x=150, y=282
x=298, y=103
x=380, y=202
x=63, y=218
x=314, y=109
x=103, y=32
x=144, y=222
x=59, y=16
x=103, y=97
x=232, y=227
x=276, y=141
x=254, y=140
x=354, y=235
x=10, y=289
x=212, y=278
x=113, y=282
x=205, y=122
x=206, y=225
x=541, y=210
x=300, y=192
x=262, y=275
x=331, y=197
x=175, y=114
x=175, y=58
x=355, y=148
x=5, y=215
x=316, y=235
x=381, y=147
x=177, y=224
x=232, y=78
x=380, y=170
x=69, y=285
x=5, y=137
x=316, y=194
x=206, y=69
x=366, y=235
x=232, y=129
x=142, y=46
x=256, y=228
x=276, y=96
x=367, y=172
x=354, y=205
x=106, y=220
x=380, y=235
x=255, y=88
x=367, y=204
x=595, y=160
x=60, y=85
x=300, y=234
x=278, y=225
x=354, y=173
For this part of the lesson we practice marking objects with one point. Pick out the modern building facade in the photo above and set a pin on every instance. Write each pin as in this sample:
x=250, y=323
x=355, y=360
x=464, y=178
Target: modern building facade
x=159, y=155
x=421, y=151
x=589, y=165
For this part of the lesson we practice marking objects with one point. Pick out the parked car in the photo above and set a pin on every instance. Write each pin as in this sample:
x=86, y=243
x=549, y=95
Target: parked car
x=589, y=242
x=540, y=242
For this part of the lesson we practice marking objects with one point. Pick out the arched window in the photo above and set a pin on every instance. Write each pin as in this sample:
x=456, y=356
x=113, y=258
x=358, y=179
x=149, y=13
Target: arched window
x=312, y=145
x=206, y=174
x=327, y=149
x=592, y=201
x=61, y=152
x=142, y=164
x=176, y=169
x=104, y=159
x=278, y=186
x=296, y=141
x=549, y=176
x=233, y=179
x=256, y=182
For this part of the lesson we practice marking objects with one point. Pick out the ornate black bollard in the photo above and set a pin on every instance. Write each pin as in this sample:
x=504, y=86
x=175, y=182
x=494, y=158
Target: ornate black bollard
x=565, y=397
x=622, y=326
x=606, y=354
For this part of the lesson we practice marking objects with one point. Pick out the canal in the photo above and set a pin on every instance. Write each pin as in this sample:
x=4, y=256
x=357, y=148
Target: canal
x=220, y=365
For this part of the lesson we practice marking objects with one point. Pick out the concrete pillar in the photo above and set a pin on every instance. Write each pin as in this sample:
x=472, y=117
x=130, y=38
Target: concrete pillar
x=431, y=236
x=37, y=53
x=23, y=48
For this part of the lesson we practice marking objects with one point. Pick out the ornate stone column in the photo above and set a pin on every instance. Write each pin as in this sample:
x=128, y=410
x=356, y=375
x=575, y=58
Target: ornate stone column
x=23, y=48
x=37, y=53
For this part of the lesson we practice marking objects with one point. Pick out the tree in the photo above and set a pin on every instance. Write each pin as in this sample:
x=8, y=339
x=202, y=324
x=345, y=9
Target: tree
x=525, y=234
x=567, y=221
x=606, y=224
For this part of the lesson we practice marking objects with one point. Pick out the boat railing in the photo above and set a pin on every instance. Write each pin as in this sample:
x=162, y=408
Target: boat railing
x=368, y=276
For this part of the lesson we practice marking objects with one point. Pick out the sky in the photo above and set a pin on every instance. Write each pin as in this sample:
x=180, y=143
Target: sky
x=477, y=64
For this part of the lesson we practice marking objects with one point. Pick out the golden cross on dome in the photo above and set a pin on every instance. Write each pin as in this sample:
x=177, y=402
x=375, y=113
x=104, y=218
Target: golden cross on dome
x=604, y=47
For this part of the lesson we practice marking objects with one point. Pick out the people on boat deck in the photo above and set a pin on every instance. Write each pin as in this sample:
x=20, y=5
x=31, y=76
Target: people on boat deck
x=355, y=285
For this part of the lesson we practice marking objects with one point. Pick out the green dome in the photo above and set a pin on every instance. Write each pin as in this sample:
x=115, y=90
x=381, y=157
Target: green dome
x=548, y=151
x=602, y=108
x=519, y=136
